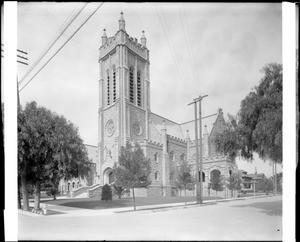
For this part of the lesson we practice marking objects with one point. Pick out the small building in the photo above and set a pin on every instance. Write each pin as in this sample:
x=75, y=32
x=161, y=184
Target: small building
x=249, y=179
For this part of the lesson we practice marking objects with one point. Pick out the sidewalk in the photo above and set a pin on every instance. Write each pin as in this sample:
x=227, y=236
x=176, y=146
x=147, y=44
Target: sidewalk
x=59, y=210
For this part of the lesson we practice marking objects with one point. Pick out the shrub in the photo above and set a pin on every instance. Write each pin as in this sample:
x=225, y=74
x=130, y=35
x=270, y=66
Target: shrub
x=106, y=193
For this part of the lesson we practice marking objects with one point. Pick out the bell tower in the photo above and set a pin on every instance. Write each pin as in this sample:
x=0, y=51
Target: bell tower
x=124, y=95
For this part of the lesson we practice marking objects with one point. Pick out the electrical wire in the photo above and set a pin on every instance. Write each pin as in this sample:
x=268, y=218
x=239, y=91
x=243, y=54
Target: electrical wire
x=63, y=45
x=188, y=45
x=177, y=63
x=60, y=32
x=177, y=67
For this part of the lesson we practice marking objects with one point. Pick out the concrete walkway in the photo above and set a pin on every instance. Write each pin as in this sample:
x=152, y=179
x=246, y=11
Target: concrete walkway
x=58, y=210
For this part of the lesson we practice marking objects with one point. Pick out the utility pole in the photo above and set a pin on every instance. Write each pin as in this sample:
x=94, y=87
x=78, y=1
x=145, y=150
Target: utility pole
x=200, y=147
x=199, y=189
x=198, y=193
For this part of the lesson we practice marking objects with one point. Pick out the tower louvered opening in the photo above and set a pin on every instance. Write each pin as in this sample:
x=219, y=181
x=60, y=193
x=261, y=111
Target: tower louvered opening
x=114, y=86
x=139, y=89
x=108, y=89
x=131, y=85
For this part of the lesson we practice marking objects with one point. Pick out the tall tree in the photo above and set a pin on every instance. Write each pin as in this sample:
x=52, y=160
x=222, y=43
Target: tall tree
x=184, y=178
x=258, y=126
x=260, y=117
x=49, y=148
x=133, y=169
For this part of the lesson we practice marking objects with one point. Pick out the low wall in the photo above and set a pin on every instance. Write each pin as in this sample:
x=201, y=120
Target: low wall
x=140, y=192
x=78, y=191
x=155, y=191
x=95, y=191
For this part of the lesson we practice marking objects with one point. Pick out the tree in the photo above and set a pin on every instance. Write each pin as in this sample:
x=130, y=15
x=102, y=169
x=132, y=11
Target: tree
x=278, y=181
x=133, y=169
x=52, y=188
x=264, y=185
x=260, y=117
x=234, y=183
x=49, y=149
x=258, y=126
x=119, y=190
x=227, y=142
x=106, y=193
x=216, y=182
x=184, y=178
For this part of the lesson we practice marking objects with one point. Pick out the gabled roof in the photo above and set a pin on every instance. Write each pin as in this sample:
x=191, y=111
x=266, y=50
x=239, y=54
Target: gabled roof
x=207, y=125
x=172, y=127
x=180, y=130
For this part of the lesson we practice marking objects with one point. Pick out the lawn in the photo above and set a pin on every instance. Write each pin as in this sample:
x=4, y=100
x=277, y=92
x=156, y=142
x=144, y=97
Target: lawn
x=96, y=203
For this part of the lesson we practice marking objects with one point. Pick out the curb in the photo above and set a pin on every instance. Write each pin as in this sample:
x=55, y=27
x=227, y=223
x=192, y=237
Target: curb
x=188, y=205
x=167, y=208
x=149, y=208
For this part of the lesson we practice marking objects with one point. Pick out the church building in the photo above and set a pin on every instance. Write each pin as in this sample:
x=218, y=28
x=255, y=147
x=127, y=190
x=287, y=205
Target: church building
x=125, y=115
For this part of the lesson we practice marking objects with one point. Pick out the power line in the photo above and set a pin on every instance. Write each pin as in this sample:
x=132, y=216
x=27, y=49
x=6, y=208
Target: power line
x=178, y=69
x=63, y=45
x=191, y=46
x=171, y=40
x=188, y=49
x=59, y=35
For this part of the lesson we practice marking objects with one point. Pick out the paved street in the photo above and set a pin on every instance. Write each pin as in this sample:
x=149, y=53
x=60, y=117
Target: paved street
x=250, y=219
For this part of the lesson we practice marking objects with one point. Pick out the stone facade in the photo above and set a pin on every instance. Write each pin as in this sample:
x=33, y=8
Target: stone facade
x=125, y=115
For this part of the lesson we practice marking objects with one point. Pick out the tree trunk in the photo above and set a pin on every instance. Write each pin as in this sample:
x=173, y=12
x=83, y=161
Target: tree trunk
x=37, y=195
x=185, y=196
x=275, y=178
x=54, y=197
x=19, y=199
x=133, y=198
x=24, y=193
x=273, y=170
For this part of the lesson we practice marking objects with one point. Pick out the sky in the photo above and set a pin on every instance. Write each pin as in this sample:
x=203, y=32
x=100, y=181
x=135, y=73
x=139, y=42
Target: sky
x=214, y=49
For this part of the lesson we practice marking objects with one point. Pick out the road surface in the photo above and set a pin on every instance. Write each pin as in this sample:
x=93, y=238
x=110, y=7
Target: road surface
x=251, y=219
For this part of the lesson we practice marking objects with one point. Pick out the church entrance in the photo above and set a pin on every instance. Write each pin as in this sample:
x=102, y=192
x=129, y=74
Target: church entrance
x=108, y=176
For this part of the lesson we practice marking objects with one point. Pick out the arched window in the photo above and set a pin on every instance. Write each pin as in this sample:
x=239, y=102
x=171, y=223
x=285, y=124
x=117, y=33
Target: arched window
x=108, y=87
x=156, y=176
x=171, y=156
x=73, y=185
x=139, y=89
x=114, y=85
x=203, y=176
x=111, y=177
x=131, y=85
x=156, y=157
